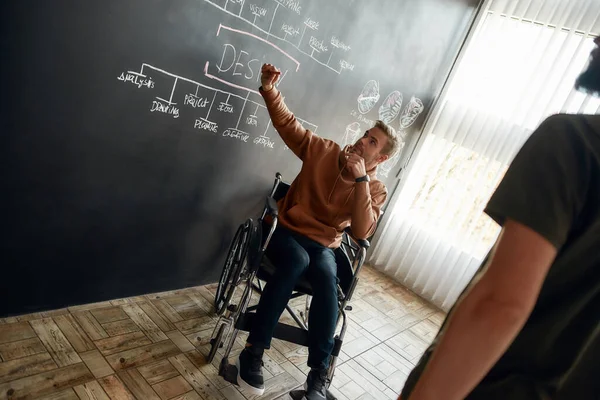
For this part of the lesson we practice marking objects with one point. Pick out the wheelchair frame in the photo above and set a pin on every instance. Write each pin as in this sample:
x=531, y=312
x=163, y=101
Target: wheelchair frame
x=238, y=317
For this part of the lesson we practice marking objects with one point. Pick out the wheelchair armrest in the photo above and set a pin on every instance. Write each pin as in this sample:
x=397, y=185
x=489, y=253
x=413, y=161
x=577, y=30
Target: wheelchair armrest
x=361, y=242
x=272, y=208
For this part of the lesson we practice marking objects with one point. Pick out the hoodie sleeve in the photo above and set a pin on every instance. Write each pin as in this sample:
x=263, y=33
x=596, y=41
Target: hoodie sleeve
x=366, y=208
x=300, y=140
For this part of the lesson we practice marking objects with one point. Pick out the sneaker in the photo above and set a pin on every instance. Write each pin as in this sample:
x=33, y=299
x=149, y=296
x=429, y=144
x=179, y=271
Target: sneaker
x=316, y=385
x=249, y=366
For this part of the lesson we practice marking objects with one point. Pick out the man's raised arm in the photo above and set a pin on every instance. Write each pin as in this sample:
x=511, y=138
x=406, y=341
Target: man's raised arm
x=295, y=136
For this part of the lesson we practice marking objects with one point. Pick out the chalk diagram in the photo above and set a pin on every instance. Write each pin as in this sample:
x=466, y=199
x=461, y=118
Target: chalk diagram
x=353, y=132
x=368, y=97
x=273, y=23
x=408, y=117
x=410, y=113
x=386, y=167
x=390, y=109
x=301, y=33
x=206, y=102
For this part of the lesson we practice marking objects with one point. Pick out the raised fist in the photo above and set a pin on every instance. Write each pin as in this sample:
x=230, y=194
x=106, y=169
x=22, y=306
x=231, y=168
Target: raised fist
x=269, y=76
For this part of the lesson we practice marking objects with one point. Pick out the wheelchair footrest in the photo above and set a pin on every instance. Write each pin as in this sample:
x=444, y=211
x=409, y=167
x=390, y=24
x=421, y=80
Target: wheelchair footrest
x=228, y=372
x=283, y=332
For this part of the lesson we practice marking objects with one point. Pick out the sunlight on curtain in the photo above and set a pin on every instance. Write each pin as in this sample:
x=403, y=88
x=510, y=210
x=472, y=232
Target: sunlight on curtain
x=513, y=74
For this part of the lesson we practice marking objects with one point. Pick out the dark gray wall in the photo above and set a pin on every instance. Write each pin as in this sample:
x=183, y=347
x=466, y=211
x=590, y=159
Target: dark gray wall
x=113, y=188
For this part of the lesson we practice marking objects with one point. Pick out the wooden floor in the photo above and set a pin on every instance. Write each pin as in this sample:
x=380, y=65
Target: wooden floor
x=154, y=346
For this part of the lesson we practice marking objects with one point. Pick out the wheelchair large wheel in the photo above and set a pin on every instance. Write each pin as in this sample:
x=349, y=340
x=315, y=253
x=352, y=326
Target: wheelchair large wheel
x=234, y=264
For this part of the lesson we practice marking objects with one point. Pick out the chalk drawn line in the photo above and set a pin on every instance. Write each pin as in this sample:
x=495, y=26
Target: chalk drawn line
x=198, y=84
x=271, y=34
x=216, y=78
x=262, y=40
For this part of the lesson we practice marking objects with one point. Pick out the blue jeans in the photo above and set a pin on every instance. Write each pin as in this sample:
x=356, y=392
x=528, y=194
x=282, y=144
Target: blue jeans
x=294, y=255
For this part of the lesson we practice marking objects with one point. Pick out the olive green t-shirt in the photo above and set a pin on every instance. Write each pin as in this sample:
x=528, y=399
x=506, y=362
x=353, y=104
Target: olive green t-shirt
x=553, y=187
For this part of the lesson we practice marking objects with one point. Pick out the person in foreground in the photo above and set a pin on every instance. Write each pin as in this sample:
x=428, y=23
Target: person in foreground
x=335, y=189
x=528, y=325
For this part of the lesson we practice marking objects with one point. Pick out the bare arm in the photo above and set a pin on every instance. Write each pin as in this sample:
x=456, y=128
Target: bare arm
x=489, y=317
x=537, y=203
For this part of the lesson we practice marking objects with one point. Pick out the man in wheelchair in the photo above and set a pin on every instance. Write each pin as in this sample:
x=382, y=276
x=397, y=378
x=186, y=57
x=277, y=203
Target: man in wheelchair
x=335, y=189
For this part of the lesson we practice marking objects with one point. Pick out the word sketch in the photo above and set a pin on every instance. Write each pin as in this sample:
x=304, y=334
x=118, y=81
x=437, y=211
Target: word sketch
x=300, y=33
x=389, y=110
x=207, y=102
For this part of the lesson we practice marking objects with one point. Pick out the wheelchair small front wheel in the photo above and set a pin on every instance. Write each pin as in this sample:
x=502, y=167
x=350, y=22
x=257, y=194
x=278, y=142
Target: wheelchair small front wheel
x=216, y=343
x=234, y=263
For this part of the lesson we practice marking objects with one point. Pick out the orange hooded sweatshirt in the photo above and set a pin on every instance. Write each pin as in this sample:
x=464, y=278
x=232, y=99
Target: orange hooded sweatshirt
x=323, y=200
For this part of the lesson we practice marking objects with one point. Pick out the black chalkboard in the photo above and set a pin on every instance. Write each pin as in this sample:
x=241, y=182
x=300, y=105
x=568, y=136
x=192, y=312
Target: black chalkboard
x=134, y=140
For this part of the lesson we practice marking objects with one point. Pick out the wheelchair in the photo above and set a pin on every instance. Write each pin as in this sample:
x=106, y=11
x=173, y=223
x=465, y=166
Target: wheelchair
x=246, y=267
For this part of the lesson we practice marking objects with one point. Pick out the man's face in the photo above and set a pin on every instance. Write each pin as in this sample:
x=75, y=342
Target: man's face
x=589, y=80
x=370, y=146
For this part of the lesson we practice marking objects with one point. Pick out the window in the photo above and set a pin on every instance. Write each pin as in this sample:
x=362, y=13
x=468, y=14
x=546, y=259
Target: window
x=512, y=75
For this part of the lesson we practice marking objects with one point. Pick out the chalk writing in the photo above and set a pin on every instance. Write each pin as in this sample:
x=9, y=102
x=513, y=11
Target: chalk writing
x=236, y=134
x=224, y=107
x=317, y=44
x=362, y=118
x=311, y=24
x=258, y=11
x=290, y=30
x=264, y=141
x=203, y=124
x=251, y=35
x=346, y=65
x=136, y=79
x=165, y=108
x=251, y=120
x=195, y=101
x=293, y=5
x=168, y=105
x=335, y=42
x=239, y=61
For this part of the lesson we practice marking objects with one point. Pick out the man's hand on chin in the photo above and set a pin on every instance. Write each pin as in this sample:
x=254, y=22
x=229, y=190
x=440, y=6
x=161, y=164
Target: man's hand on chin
x=355, y=164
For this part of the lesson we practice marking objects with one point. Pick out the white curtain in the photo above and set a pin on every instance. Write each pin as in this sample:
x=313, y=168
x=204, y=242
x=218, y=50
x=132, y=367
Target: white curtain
x=518, y=67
